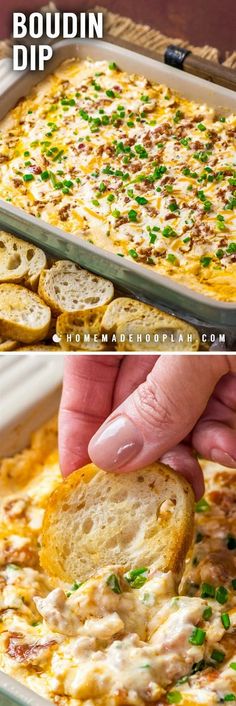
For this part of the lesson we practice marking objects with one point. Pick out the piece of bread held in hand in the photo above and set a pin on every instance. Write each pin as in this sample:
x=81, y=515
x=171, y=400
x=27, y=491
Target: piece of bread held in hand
x=96, y=519
x=24, y=317
x=66, y=287
x=133, y=320
x=20, y=262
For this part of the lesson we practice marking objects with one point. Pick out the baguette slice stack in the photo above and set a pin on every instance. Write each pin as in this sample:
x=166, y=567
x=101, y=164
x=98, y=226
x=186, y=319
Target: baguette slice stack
x=20, y=262
x=66, y=287
x=96, y=519
x=24, y=317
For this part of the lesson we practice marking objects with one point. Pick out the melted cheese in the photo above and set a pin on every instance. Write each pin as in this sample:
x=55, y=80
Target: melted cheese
x=92, y=645
x=129, y=166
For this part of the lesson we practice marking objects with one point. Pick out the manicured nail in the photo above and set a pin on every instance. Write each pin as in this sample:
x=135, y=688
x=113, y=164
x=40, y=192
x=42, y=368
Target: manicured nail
x=115, y=444
x=223, y=458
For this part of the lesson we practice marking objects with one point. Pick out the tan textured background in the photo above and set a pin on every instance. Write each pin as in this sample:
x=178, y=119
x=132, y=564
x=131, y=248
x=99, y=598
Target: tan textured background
x=144, y=35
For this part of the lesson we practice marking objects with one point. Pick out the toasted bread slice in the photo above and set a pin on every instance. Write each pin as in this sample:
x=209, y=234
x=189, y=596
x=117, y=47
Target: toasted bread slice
x=81, y=331
x=139, y=335
x=96, y=519
x=66, y=287
x=21, y=262
x=131, y=320
x=24, y=316
x=6, y=344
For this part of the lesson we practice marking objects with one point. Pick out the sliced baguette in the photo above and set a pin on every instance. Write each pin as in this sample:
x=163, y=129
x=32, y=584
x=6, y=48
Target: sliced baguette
x=66, y=287
x=171, y=335
x=7, y=345
x=96, y=519
x=24, y=316
x=130, y=318
x=20, y=261
x=81, y=331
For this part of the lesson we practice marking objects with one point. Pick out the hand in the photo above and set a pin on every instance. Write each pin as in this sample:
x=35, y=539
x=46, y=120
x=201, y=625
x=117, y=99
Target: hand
x=125, y=412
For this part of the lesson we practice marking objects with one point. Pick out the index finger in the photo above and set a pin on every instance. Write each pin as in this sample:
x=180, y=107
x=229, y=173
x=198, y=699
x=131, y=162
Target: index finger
x=86, y=402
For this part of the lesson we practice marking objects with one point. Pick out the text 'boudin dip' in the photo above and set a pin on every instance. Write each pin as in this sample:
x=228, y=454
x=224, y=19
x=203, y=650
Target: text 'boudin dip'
x=38, y=26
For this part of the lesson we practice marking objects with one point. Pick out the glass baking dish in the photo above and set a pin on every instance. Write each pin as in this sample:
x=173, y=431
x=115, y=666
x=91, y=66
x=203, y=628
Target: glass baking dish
x=147, y=285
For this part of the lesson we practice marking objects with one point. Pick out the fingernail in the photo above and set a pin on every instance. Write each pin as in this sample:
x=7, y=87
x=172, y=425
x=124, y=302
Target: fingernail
x=116, y=444
x=222, y=457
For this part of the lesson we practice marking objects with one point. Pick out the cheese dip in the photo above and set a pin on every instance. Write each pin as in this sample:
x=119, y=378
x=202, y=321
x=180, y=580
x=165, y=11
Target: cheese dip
x=130, y=166
x=117, y=639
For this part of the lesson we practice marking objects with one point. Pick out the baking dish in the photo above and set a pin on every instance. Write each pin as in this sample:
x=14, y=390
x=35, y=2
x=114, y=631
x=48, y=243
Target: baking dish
x=26, y=406
x=149, y=286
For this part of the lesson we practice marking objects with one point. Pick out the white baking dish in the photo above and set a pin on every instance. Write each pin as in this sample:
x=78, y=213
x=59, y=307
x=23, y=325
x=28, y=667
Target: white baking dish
x=147, y=285
x=30, y=388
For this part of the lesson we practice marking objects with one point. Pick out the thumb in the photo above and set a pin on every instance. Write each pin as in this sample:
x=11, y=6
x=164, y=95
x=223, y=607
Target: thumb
x=159, y=413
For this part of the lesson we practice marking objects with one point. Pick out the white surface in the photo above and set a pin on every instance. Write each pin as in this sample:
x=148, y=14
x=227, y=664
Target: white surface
x=30, y=387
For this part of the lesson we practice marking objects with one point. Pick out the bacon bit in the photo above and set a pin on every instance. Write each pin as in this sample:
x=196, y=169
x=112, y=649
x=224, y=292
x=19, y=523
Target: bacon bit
x=135, y=167
x=169, y=216
x=15, y=507
x=26, y=556
x=197, y=145
x=23, y=652
x=3, y=158
x=64, y=212
x=17, y=182
x=119, y=221
x=35, y=169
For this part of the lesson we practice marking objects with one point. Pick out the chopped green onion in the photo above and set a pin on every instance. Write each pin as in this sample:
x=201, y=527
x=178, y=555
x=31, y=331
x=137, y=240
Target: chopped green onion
x=136, y=577
x=205, y=261
x=113, y=583
x=133, y=253
x=202, y=505
x=45, y=175
x=233, y=582
x=174, y=697
x=197, y=637
x=169, y=232
x=173, y=206
x=110, y=93
x=221, y=595
x=141, y=200
x=113, y=66
x=207, y=613
x=225, y=619
x=207, y=590
x=231, y=248
x=171, y=258
x=28, y=177
x=218, y=656
x=233, y=665
x=230, y=697
x=58, y=155
x=75, y=587
x=132, y=214
x=111, y=198
x=201, y=127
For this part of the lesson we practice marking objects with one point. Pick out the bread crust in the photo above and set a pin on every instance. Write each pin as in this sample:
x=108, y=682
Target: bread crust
x=69, y=554
x=13, y=299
